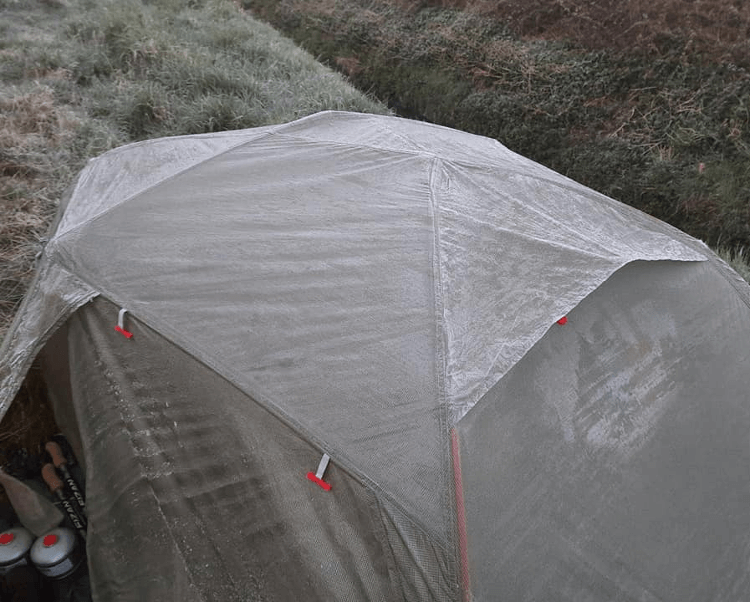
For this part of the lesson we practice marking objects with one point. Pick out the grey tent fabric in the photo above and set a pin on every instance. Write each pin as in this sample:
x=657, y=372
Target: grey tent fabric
x=388, y=292
x=212, y=494
x=53, y=295
x=636, y=486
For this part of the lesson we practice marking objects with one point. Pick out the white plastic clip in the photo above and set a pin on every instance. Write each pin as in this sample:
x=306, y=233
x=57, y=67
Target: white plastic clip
x=121, y=324
x=318, y=476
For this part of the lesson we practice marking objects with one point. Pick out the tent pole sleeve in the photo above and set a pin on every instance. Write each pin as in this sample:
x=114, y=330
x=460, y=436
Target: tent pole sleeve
x=460, y=517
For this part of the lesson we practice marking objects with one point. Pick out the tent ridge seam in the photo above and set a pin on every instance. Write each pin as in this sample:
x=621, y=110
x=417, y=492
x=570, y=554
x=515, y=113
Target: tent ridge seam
x=64, y=235
x=421, y=152
x=339, y=457
x=444, y=413
x=69, y=309
x=619, y=266
x=143, y=476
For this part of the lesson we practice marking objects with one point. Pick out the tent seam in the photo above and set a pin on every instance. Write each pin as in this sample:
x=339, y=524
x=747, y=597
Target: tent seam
x=62, y=317
x=554, y=244
x=341, y=459
x=147, y=482
x=484, y=388
x=138, y=143
x=447, y=494
x=544, y=334
x=78, y=227
x=567, y=184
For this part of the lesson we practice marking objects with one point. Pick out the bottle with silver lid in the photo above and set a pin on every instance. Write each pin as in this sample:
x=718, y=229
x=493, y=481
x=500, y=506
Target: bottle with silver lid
x=57, y=554
x=15, y=544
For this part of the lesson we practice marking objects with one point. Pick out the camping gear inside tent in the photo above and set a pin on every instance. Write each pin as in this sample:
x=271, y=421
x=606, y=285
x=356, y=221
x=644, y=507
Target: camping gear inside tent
x=358, y=357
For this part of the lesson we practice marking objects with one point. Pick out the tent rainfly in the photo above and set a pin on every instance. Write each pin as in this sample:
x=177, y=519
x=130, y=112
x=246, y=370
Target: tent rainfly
x=357, y=357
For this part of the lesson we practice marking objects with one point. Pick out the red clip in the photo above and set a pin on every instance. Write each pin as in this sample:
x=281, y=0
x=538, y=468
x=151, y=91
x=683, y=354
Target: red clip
x=124, y=333
x=321, y=482
x=563, y=320
x=317, y=477
x=121, y=324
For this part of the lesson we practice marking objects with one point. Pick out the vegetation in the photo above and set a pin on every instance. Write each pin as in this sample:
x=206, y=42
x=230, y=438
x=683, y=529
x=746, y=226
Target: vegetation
x=647, y=102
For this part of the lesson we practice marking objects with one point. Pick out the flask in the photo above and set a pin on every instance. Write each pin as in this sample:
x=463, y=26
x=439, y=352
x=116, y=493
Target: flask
x=15, y=544
x=57, y=554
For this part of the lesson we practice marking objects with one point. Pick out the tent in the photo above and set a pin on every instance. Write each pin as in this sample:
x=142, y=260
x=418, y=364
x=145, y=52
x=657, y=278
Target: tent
x=357, y=357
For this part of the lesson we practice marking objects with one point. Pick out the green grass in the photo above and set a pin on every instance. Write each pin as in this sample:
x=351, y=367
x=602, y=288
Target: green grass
x=654, y=111
x=79, y=78
x=738, y=260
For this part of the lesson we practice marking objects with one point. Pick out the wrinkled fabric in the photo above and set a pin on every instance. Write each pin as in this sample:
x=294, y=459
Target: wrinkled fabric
x=53, y=296
x=518, y=251
x=121, y=173
x=611, y=462
x=364, y=286
x=195, y=492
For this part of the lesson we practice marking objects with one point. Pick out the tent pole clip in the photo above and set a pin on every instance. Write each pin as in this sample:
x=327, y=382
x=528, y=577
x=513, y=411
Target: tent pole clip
x=317, y=477
x=121, y=324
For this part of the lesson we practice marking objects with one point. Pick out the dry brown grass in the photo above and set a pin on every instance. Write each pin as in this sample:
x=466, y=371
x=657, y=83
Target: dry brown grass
x=718, y=29
x=33, y=419
x=26, y=427
x=32, y=126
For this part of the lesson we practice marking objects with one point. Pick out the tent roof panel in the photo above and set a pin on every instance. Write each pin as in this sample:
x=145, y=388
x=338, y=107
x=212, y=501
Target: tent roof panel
x=126, y=171
x=302, y=272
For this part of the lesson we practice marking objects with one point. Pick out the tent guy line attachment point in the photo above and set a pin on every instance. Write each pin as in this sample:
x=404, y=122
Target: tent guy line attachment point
x=317, y=477
x=121, y=324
